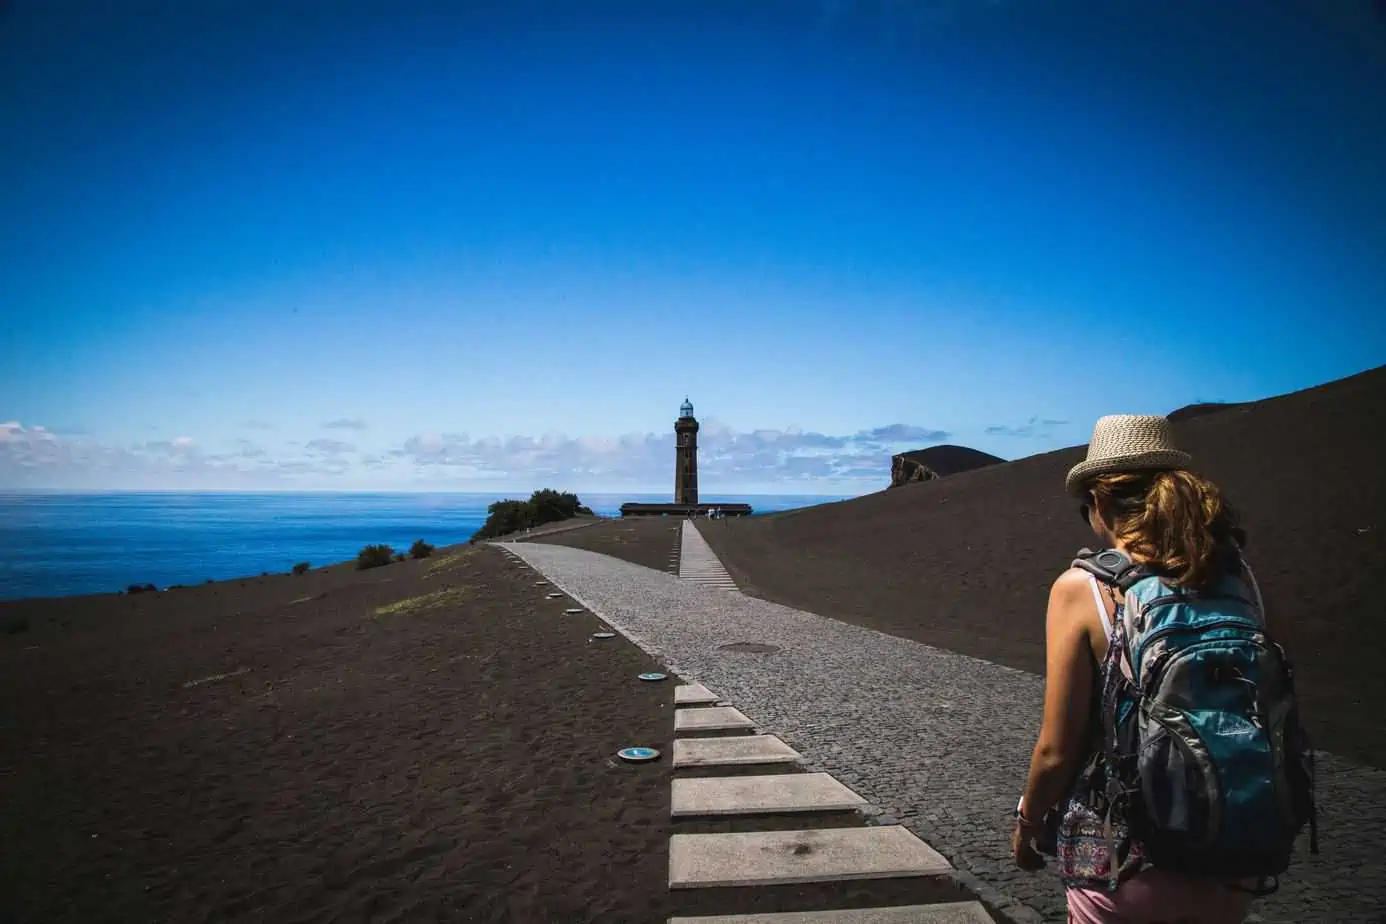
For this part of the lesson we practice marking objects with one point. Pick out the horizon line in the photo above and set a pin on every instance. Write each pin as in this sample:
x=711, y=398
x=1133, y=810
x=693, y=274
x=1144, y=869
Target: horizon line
x=17, y=490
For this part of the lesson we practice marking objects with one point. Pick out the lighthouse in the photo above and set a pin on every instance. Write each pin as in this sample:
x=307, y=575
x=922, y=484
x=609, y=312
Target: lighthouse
x=686, y=455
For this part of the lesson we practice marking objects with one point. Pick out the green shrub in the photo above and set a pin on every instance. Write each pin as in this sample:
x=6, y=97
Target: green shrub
x=301, y=567
x=544, y=506
x=399, y=556
x=551, y=506
x=504, y=516
x=420, y=549
x=374, y=556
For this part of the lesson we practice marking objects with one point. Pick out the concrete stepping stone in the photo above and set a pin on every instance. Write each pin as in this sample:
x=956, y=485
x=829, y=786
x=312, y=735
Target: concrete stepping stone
x=711, y=718
x=761, y=795
x=694, y=694
x=822, y=855
x=747, y=749
x=942, y=913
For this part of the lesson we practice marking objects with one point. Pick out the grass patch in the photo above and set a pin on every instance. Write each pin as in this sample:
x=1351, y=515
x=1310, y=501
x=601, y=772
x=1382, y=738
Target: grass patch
x=451, y=596
x=449, y=561
x=236, y=673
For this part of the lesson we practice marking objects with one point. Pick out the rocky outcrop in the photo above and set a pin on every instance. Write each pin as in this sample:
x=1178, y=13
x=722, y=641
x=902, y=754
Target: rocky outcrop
x=936, y=462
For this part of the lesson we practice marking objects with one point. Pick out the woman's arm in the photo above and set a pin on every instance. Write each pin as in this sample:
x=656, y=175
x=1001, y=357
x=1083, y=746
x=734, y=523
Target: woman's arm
x=1063, y=736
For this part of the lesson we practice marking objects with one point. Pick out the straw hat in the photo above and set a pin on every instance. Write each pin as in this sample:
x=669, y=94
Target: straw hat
x=1127, y=443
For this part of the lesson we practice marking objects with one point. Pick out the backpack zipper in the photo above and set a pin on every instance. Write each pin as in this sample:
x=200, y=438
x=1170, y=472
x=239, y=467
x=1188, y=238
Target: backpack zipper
x=1190, y=598
x=1206, y=627
x=1256, y=636
x=1177, y=654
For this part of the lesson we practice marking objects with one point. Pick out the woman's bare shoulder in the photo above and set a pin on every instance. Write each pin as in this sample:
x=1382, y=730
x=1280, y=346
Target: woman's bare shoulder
x=1071, y=604
x=1070, y=583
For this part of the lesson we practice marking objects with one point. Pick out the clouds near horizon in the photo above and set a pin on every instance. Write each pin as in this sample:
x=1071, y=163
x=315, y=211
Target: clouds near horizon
x=726, y=457
x=729, y=460
x=329, y=447
x=1034, y=427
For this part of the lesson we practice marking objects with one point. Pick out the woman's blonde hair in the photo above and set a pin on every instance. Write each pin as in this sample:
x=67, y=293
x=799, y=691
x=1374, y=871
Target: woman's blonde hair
x=1174, y=521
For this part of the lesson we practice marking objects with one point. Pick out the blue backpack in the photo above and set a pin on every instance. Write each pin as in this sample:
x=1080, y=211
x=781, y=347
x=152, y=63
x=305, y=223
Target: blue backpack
x=1202, y=741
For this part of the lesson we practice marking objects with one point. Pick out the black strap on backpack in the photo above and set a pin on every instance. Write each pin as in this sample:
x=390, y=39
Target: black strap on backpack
x=1114, y=569
x=1111, y=567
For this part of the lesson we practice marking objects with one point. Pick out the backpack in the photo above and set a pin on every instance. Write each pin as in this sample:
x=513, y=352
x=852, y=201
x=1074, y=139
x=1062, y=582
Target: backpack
x=1204, y=751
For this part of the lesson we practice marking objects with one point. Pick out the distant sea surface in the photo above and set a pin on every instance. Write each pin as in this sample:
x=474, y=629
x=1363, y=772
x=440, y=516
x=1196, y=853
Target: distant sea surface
x=61, y=544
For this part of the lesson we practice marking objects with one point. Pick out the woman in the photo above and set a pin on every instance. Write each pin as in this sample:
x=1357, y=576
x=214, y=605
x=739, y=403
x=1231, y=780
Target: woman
x=1138, y=496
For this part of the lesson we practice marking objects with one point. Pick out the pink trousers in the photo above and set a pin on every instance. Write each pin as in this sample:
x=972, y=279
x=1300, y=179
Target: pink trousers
x=1158, y=897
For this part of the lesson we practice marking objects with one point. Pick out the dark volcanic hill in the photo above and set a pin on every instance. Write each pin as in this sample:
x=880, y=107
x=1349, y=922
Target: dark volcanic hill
x=1190, y=411
x=936, y=462
x=965, y=562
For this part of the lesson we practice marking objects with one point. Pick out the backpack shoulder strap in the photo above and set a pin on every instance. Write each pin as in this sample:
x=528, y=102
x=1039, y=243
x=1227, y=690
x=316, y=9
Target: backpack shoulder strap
x=1111, y=567
x=1256, y=598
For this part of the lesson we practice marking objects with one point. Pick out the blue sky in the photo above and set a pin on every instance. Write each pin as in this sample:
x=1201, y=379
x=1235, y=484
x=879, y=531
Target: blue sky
x=492, y=246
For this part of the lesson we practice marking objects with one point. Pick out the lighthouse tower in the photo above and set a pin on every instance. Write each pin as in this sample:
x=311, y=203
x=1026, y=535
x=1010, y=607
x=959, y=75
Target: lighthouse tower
x=686, y=455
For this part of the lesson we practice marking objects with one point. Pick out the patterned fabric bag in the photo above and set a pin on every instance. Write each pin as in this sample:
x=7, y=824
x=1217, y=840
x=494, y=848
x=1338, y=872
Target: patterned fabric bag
x=1086, y=841
x=1089, y=829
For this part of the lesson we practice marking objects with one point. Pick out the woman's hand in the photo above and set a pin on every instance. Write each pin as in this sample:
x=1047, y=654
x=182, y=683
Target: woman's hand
x=1023, y=846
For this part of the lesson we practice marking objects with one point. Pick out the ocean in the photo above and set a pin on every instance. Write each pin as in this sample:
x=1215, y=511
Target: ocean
x=56, y=544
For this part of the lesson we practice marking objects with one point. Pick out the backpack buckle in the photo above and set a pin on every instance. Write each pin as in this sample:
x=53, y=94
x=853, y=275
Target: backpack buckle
x=1111, y=567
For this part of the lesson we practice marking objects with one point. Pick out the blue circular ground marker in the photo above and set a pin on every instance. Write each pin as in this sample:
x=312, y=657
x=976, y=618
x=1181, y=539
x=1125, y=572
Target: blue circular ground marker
x=653, y=676
x=637, y=754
